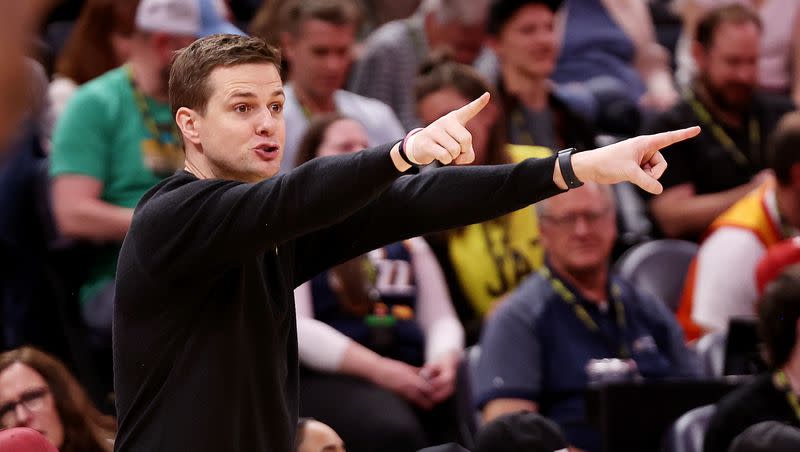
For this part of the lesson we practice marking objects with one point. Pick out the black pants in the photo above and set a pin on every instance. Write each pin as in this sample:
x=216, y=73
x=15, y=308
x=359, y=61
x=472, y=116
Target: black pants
x=370, y=418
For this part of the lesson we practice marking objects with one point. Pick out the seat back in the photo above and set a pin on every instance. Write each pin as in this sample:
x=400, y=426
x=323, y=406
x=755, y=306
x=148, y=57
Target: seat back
x=688, y=432
x=710, y=350
x=468, y=417
x=659, y=268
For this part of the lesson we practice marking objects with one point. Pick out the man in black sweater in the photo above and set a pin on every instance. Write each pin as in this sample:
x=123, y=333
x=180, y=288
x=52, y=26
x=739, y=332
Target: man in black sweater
x=205, y=342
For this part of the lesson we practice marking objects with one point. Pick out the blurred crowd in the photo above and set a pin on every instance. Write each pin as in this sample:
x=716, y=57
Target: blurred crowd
x=485, y=337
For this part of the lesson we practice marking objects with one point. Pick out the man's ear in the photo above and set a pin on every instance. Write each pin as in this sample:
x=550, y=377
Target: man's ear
x=700, y=56
x=189, y=121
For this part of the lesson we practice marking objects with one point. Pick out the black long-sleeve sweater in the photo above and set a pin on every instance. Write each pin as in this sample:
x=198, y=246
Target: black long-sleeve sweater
x=205, y=338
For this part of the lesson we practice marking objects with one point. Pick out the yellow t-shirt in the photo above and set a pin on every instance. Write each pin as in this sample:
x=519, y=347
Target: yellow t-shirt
x=492, y=257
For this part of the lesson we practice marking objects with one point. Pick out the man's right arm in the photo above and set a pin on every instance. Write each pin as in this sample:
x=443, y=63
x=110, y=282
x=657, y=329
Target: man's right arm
x=508, y=375
x=682, y=213
x=81, y=214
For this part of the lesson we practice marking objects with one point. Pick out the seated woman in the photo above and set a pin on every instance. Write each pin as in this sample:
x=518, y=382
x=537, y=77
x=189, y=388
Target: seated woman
x=37, y=391
x=482, y=262
x=377, y=335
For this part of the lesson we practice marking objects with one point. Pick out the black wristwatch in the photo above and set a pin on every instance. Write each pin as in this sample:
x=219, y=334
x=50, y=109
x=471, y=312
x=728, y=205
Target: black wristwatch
x=565, y=164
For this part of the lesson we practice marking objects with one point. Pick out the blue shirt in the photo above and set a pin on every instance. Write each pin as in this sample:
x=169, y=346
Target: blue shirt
x=595, y=45
x=536, y=348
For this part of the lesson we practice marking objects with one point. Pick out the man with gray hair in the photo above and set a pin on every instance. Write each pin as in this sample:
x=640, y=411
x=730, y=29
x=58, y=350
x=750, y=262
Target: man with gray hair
x=393, y=53
x=536, y=346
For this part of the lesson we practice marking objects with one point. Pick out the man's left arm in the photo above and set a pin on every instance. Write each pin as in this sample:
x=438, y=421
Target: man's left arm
x=449, y=197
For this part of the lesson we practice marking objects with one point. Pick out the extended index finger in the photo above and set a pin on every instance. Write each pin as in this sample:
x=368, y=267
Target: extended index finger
x=662, y=140
x=469, y=111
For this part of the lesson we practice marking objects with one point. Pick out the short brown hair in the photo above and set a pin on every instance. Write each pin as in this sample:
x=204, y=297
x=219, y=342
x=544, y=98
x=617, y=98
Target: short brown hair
x=85, y=428
x=338, y=12
x=784, y=149
x=731, y=14
x=193, y=65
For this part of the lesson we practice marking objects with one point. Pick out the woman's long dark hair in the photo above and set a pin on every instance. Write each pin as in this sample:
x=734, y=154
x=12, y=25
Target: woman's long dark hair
x=85, y=428
x=88, y=51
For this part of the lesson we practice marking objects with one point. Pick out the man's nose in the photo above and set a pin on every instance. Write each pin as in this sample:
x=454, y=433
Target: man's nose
x=266, y=123
x=22, y=414
x=334, y=64
x=581, y=225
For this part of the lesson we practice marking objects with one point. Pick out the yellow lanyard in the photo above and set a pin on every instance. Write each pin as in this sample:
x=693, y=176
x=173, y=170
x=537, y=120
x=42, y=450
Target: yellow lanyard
x=568, y=297
x=521, y=133
x=791, y=397
x=719, y=133
x=147, y=116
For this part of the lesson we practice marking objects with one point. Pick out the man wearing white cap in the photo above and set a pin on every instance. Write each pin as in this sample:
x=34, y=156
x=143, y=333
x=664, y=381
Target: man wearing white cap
x=117, y=138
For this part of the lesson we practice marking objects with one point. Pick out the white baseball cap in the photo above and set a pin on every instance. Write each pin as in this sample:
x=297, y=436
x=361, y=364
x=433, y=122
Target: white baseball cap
x=196, y=18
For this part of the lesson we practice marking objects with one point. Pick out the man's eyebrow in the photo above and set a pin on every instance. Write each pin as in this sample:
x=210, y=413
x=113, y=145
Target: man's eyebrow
x=251, y=95
x=241, y=94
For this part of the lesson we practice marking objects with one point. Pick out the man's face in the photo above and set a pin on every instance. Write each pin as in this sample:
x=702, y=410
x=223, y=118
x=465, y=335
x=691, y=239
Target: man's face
x=241, y=134
x=37, y=410
x=320, y=56
x=343, y=137
x=578, y=229
x=439, y=103
x=527, y=42
x=729, y=67
x=320, y=438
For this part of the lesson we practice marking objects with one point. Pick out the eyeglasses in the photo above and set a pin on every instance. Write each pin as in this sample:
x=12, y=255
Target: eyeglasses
x=570, y=220
x=32, y=400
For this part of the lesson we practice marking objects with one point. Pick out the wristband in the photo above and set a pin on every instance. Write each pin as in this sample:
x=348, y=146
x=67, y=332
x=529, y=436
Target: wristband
x=565, y=164
x=403, y=145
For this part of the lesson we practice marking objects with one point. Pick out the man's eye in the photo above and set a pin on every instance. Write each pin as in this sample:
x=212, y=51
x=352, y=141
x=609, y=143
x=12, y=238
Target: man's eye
x=276, y=107
x=241, y=108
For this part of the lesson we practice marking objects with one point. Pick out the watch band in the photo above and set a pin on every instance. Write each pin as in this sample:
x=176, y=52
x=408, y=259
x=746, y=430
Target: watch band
x=403, y=144
x=565, y=164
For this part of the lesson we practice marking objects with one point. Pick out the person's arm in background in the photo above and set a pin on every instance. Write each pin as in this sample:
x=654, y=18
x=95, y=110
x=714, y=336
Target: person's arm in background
x=690, y=12
x=323, y=348
x=18, y=24
x=444, y=335
x=651, y=59
x=681, y=213
x=508, y=374
x=81, y=214
x=81, y=148
x=795, y=45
